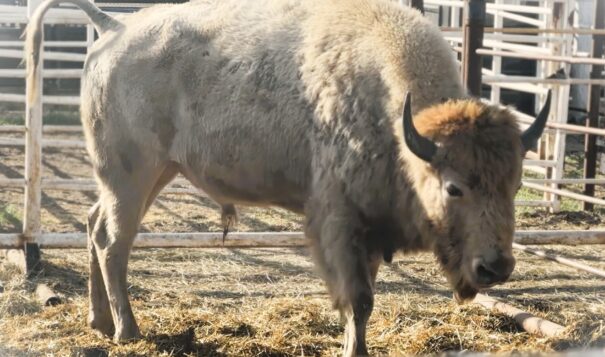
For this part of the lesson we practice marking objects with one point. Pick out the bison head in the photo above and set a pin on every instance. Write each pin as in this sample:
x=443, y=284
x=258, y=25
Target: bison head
x=466, y=169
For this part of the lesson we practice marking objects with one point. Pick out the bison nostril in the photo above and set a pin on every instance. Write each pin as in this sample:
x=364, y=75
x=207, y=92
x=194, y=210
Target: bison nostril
x=488, y=274
x=485, y=275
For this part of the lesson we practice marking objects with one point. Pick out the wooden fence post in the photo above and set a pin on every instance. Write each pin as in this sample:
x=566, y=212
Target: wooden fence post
x=473, y=40
x=590, y=147
x=28, y=257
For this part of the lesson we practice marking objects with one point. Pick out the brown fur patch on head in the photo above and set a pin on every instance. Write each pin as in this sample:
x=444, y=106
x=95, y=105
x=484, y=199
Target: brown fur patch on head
x=449, y=118
x=479, y=140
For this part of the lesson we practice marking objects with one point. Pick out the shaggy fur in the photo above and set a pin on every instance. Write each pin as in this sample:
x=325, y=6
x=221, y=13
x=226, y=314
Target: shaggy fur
x=295, y=104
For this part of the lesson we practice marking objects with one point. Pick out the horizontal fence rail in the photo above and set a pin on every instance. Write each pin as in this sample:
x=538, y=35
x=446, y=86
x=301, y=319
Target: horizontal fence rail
x=562, y=260
x=265, y=239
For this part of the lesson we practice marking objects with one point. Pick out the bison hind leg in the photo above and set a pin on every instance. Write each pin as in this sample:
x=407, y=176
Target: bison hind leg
x=99, y=315
x=125, y=195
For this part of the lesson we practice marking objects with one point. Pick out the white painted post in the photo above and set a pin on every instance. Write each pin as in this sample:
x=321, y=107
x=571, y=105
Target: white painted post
x=455, y=17
x=497, y=60
x=547, y=68
x=540, y=73
x=90, y=35
x=33, y=149
x=561, y=100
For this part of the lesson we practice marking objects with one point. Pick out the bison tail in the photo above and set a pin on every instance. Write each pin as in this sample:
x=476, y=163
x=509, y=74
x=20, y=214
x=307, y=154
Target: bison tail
x=35, y=34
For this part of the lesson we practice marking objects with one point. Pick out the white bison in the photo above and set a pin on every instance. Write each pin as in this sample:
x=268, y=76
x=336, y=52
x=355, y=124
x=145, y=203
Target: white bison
x=297, y=104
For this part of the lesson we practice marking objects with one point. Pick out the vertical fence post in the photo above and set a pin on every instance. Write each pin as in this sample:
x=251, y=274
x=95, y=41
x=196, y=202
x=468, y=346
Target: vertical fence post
x=473, y=40
x=90, y=34
x=418, y=4
x=554, y=144
x=590, y=147
x=496, y=60
x=33, y=162
x=561, y=18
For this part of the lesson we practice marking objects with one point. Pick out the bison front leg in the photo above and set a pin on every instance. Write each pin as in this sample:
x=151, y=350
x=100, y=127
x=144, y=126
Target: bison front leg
x=356, y=315
x=345, y=264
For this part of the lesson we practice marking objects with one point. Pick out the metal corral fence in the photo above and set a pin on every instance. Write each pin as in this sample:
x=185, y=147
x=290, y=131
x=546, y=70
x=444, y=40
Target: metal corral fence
x=547, y=37
x=544, y=33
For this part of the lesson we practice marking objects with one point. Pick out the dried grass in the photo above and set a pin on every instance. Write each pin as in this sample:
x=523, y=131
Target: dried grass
x=268, y=302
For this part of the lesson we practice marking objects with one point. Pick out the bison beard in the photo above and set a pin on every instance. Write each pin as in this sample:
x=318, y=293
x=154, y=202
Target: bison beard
x=449, y=254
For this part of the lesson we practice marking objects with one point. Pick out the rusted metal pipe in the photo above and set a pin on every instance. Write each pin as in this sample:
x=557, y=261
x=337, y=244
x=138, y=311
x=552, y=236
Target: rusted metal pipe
x=590, y=141
x=473, y=40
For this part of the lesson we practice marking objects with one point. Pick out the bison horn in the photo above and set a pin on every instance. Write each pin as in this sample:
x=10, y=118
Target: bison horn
x=531, y=135
x=418, y=144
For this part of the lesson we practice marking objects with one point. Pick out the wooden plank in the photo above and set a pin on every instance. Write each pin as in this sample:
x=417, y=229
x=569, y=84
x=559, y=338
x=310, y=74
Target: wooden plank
x=33, y=144
x=569, y=128
x=506, y=7
x=530, y=323
x=268, y=239
x=526, y=79
x=541, y=163
x=90, y=185
x=520, y=38
x=499, y=45
x=46, y=296
x=20, y=44
x=18, y=15
x=48, y=55
x=532, y=203
x=33, y=161
x=592, y=181
x=173, y=240
x=565, y=193
x=47, y=73
x=524, y=30
x=552, y=58
x=45, y=129
x=519, y=18
x=562, y=260
x=48, y=99
x=57, y=143
x=521, y=87
x=565, y=237
x=26, y=256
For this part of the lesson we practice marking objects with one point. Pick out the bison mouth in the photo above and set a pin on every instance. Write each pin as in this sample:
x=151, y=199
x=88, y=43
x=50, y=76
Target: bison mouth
x=453, y=268
x=464, y=292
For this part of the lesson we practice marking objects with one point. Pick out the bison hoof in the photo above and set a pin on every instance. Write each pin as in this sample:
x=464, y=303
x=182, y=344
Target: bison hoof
x=127, y=335
x=103, y=326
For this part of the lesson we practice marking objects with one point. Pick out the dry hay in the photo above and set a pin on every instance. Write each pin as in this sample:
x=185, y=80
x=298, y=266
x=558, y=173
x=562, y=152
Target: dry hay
x=269, y=302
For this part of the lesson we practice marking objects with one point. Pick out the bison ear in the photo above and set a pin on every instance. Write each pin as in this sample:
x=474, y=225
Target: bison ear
x=418, y=144
x=530, y=137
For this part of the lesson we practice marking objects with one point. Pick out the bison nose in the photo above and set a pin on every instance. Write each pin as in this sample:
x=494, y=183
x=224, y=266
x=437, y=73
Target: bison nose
x=488, y=273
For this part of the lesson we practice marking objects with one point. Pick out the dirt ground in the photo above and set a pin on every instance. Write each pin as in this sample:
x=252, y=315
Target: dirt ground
x=269, y=302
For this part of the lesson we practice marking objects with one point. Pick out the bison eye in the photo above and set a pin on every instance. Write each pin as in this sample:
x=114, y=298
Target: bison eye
x=452, y=190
